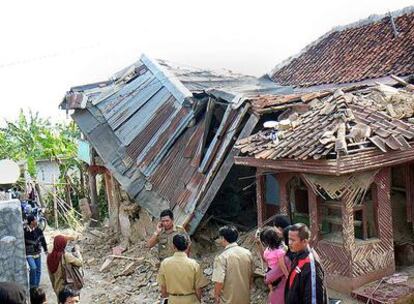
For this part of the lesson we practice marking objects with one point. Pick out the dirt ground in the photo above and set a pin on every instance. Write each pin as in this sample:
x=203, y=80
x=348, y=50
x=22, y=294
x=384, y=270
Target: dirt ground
x=133, y=280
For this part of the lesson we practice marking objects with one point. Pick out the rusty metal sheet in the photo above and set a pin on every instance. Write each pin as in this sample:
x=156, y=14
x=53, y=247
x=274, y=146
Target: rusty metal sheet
x=173, y=179
x=160, y=144
x=135, y=124
x=144, y=137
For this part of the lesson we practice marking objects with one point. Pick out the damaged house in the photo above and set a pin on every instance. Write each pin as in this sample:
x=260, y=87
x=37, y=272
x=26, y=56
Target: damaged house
x=345, y=168
x=165, y=133
x=338, y=153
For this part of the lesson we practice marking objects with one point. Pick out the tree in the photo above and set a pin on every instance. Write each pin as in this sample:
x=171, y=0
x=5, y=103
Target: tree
x=32, y=138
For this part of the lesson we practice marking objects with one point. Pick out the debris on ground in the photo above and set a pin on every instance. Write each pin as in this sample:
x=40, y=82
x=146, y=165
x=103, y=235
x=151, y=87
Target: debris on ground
x=397, y=288
x=130, y=275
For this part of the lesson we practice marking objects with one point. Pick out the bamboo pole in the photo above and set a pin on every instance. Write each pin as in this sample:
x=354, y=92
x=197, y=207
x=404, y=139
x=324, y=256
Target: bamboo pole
x=55, y=211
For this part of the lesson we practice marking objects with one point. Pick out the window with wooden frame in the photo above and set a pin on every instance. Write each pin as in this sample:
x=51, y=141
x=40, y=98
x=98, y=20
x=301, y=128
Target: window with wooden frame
x=298, y=200
x=331, y=216
x=364, y=218
x=271, y=190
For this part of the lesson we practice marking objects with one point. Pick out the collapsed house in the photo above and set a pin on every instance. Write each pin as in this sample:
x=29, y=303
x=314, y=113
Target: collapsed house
x=165, y=132
x=345, y=167
x=341, y=160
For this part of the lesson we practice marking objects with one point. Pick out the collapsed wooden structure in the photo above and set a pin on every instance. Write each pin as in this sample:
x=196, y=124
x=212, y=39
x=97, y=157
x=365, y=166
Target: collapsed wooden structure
x=165, y=131
x=332, y=167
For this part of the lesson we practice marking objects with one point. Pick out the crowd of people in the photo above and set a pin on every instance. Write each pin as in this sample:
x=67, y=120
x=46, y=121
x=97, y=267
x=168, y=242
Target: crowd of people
x=59, y=261
x=294, y=274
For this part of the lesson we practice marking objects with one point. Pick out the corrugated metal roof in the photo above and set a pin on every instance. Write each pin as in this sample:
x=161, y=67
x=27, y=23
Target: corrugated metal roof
x=223, y=84
x=147, y=127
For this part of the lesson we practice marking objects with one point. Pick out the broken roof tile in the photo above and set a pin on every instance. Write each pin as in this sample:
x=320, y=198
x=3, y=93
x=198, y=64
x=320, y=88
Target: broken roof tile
x=344, y=122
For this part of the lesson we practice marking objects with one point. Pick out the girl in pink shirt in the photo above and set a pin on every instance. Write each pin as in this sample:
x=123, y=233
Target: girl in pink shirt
x=274, y=253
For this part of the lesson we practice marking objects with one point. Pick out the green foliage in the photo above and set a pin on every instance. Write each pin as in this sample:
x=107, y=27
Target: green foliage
x=102, y=203
x=31, y=138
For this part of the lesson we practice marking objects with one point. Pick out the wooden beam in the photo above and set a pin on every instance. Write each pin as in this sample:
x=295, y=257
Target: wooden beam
x=260, y=204
x=313, y=216
x=215, y=143
x=348, y=229
x=283, y=179
x=384, y=210
x=349, y=164
x=113, y=208
x=209, y=191
x=207, y=124
x=408, y=180
x=93, y=194
x=325, y=167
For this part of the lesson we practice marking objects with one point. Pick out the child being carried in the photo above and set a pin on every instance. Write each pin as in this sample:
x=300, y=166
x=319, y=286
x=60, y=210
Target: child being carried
x=275, y=250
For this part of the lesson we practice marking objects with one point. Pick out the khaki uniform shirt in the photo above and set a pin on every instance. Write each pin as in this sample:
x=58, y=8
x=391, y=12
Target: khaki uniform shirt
x=234, y=268
x=165, y=242
x=58, y=278
x=181, y=276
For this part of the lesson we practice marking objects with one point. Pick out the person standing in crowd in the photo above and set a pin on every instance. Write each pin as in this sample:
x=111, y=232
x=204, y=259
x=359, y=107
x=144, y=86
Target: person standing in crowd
x=282, y=224
x=34, y=241
x=305, y=284
x=164, y=233
x=69, y=296
x=59, y=256
x=275, y=257
x=181, y=278
x=37, y=296
x=233, y=270
x=12, y=293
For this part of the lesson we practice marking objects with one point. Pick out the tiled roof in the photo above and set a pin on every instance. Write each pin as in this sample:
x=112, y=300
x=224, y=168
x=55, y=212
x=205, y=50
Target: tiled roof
x=342, y=123
x=269, y=103
x=356, y=53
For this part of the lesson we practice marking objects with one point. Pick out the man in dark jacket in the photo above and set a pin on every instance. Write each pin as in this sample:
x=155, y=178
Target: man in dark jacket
x=305, y=284
x=34, y=240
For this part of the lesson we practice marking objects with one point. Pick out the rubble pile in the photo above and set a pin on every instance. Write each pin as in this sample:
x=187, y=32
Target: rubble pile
x=117, y=275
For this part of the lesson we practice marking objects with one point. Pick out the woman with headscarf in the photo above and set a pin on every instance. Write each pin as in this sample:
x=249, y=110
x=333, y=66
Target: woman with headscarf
x=59, y=256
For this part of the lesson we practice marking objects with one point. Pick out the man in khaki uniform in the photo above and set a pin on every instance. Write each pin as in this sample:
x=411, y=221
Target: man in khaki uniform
x=164, y=233
x=180, y=278
x=233, y=270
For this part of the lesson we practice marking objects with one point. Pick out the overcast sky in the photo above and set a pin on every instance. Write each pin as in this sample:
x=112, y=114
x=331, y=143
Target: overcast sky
x=48, y=46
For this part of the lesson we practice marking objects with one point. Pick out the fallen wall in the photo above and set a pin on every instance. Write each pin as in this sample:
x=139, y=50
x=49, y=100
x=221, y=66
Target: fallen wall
x=126, y=217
